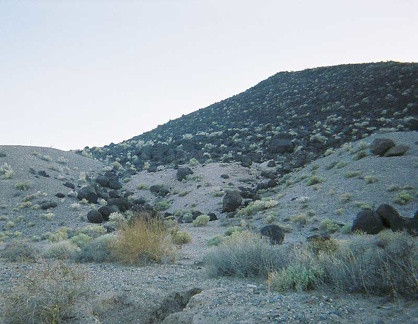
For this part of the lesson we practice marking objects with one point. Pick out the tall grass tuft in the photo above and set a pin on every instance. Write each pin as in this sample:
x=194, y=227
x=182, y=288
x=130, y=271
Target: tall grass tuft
x=244, y=254
x=46, y=295
x=142, y=242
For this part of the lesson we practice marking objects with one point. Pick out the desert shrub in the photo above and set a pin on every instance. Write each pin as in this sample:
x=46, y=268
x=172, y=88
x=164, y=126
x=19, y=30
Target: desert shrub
x=6, y=172
x=297, y=276
x=329, y=226
x=97, y=250
x=216, y=240
x=201, y=220
x=23, y=185
x=300, y=219
x=117, y=220
x=48, y=294
x=19, y=251
x=60, y=250
x=243, y=254
x=341, y=164
x=360, y=155
x=93, y=230
x=381, y=265
x=256, y=206
x=371, y=179
x=233, y=229
x=162, y=205
x=80, y=240
x=181, y=237
x=403, y=197
x=352, y=174
x=60, y=235
x=313, y=180
x=345, y=197
x=143, y=241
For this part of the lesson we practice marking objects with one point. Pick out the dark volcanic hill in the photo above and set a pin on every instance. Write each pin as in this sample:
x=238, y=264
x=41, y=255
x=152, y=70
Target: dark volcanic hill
x=291, y=118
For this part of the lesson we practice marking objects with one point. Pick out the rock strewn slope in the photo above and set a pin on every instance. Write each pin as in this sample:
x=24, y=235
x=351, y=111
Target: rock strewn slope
x=291, y=117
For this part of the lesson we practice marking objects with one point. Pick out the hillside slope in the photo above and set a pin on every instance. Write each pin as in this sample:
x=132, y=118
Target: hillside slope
x=291, y=117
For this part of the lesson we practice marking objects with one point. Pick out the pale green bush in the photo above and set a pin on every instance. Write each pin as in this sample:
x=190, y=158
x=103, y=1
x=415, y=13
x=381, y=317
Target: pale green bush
x=201, y=220
x=6, y=172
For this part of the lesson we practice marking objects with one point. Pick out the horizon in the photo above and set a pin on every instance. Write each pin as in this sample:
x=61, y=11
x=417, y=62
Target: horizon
x=77, y=74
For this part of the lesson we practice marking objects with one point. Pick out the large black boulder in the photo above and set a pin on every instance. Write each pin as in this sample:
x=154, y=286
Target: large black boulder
x=379, y=146
x=88, y=193
x=107, y=210
x=93, y=216
x=232, y=200
x=390, y=217
x=368, y=221
x=102, y=180
x=121, y=203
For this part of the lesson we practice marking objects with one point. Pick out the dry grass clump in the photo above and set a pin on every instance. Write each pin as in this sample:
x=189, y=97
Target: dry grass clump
x=46, y=295
x=143, y=241
x=19, y=251
x=243, y=254
x=385, y=264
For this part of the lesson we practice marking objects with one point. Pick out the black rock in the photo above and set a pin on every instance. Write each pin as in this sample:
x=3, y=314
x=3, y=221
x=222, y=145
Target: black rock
x=232, y=200
x=368, y=221
x=102, y=180
x=93, y=216
x=59, y=195
x=69, y=185
x=397, y=150
x=106, y=211
x=43, y=174
x=159, y=190
x=390, y=217
x=212, y=216
x=114, y=194
x=274, y=233
x=114, y=184
x=182, y=173
x=48, y=204
x=379, y=146
x=88, y=193
x=121, y=203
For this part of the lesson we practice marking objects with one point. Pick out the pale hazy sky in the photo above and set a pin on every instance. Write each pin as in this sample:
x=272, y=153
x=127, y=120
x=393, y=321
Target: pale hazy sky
x=77, y=73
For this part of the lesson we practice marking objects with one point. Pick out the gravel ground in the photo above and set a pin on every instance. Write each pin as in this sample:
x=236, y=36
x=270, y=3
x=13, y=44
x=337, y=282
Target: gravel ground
x=183, y=292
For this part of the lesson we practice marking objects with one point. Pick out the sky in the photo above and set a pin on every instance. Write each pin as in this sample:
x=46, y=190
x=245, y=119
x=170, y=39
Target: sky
x=76, y=73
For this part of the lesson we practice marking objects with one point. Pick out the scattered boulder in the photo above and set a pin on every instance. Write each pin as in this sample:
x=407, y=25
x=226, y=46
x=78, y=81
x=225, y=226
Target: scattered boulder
x=212, y=216
x=224, y=176
x=114, y=184
x=93, y=216
x=88, y=193
x=102, y=180
x=59, y=195
x=159, y=190
x=379, y=146
x=43, y=174
x=397, y=150
x=368, y=221
x=121, y=203
x=114, y=194
x=232, y=200
x=182, y=173
x=274, y=233
x=390, y=217
x=411, y=226
x=48, y=204
x=280, y=146
x=69, y=185
x=107, y=210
